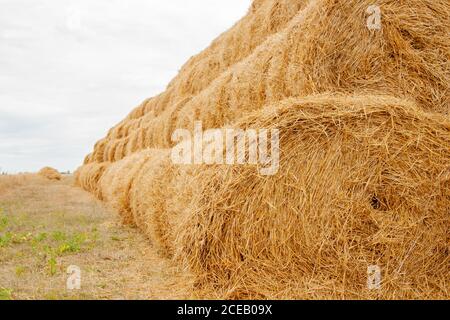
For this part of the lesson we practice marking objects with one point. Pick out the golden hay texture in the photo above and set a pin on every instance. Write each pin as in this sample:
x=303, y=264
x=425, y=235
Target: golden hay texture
x=115, y=184
x=88, y=177
x=146, y=189
x=326, y=47
x=50, y=173
x=149, y=193
x=264, y=18
x=363, y=181
x=365, y=155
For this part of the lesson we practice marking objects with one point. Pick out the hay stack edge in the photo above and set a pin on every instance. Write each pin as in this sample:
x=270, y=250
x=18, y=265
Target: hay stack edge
x=364, y=176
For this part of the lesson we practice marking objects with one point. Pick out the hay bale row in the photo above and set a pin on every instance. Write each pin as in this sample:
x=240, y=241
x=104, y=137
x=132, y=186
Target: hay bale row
x=88, y=176
x=264, y=18
x=363, y=181
x=148, y=197
x=326, y=47
x=364, y=177
x=115, y=183
x=145, y=188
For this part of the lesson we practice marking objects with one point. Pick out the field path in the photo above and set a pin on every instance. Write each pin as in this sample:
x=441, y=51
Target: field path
x=45, y=227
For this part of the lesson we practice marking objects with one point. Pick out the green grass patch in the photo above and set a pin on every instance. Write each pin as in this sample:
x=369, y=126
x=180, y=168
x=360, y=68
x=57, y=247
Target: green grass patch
x=40, y=237
x=3, y=222
x=5, y=294
x=72, y=244
x=59, y=236
x=6, y=239
x=52, y=266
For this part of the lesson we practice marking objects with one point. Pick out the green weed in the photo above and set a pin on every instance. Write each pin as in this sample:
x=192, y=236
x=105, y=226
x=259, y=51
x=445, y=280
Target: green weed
x=5, y=294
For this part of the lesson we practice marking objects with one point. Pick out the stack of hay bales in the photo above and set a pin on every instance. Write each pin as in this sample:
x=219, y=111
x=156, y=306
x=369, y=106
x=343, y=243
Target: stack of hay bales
x=50, y=173
x=362, y=182
x=364, y=173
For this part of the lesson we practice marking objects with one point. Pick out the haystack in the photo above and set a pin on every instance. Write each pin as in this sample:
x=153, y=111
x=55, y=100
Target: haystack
x=148, y=195
x=147, y=190
x=365, y=152
x=325, y=47
x=265, y=17
x=88, y=177
x=50, y=173
x=364, y=181
x=115, y=183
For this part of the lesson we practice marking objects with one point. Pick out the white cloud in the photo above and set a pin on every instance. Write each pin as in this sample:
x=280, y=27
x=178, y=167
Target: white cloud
x=71, y=69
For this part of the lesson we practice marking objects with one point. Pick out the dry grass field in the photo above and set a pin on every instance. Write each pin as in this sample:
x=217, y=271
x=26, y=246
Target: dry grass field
x=47, y=226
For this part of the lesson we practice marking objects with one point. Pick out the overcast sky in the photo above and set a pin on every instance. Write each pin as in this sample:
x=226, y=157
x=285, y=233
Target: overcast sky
x=71, y=69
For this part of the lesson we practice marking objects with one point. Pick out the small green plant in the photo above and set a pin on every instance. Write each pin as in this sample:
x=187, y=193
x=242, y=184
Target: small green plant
x=5, y=294
x=3, y=222
x=59, y=236
x=52, y=264
x=5, y=239
x=40, y=237
x=38, y=244
x=66, y=248
x=73, y=244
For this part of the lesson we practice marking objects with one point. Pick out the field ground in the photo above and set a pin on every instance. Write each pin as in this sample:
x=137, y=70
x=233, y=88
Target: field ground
x=45, y=227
